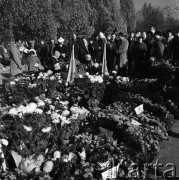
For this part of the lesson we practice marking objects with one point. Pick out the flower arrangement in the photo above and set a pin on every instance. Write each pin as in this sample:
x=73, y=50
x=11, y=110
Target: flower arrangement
x=59, y=131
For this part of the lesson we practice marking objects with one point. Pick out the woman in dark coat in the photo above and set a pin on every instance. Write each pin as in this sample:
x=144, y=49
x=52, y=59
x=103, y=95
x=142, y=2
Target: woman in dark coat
x=140, y=57
x=98, y=48
x=84, y=50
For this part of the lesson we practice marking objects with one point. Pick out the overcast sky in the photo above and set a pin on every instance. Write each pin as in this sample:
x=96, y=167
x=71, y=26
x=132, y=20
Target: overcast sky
x=161, y=3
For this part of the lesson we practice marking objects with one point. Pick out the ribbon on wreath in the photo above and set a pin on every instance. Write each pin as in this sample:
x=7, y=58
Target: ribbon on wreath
x=5, y=143
x=72, y=68
x=104, y=65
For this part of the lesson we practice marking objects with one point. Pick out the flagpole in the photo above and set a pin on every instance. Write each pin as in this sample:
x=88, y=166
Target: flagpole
x=72, y=67
x=104, y=65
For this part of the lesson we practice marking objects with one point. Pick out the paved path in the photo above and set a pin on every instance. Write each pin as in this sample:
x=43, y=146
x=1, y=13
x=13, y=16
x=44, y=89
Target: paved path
x=169, y=153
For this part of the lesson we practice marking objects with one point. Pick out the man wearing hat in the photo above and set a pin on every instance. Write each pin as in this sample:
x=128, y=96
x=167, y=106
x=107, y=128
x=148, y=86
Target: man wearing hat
x=61, y=48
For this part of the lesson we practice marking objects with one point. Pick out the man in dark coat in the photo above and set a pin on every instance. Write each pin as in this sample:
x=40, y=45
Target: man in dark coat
x=131, y=51
x=44, y=55
x=74, y=41
x=111, y=52
x=98, y=48
x=62, y=49
x=52, y=46
x=160, y=47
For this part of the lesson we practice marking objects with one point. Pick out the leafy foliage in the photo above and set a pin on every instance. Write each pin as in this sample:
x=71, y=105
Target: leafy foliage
x=49, y=18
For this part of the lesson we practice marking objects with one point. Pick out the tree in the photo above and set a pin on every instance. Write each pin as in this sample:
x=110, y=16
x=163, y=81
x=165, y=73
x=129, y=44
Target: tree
x=150, y=16
x=74, y=17
x=128, y=13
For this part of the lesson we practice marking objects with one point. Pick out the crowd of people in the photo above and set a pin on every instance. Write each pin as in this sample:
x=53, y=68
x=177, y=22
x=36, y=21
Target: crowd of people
x=126, y=55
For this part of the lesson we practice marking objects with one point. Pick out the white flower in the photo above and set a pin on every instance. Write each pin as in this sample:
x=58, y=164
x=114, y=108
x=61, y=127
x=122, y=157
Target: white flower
x=56, y=121
x=38, y=111
x=52, y=78
x=4, y=142
x=40, y=103
x=39, y=77
x=57, y=66
x=65, y=113
x=118, y=77
x=49, y=72
x=66, y=84
x=30, y=108
x=12, y=83
x=48, y=101
x=39, y=160
x=80, y=76
x=92, y=79
x=27, y=78
x=13, y=111
x=55, y=118
x=22, y=109
x=114, y=72
x=64, y=103
x=57, y=155
x=20, y=114
x=74, y=110
x=96, y=78
x=48, y=166
x=100, y=79
x=41, y=74
x=87, y=73
x=64, y=120
x=27, y=128
x=46, y=130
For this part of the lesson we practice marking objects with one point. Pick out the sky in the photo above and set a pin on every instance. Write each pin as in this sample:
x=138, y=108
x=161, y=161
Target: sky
x=160, y=3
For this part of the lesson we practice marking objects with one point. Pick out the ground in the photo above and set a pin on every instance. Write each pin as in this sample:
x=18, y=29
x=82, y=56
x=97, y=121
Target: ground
x=169, y=152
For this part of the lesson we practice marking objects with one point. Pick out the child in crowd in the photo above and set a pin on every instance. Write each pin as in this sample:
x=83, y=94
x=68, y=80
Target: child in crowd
x=34, y=64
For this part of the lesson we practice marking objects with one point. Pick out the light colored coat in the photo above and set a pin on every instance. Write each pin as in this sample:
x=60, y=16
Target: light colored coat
x=15, y=66
x=123, y=52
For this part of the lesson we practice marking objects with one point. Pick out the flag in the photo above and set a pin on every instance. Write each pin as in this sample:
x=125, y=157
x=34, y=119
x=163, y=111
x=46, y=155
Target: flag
x=72, y=68
x=104, y=65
